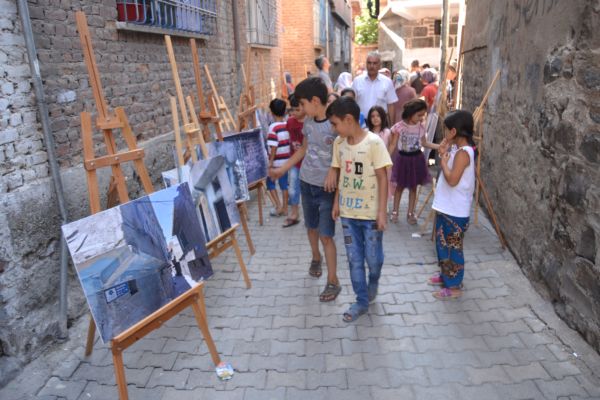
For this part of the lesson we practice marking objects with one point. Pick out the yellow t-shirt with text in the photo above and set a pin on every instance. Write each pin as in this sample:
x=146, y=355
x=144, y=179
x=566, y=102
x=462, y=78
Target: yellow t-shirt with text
x=358, y=194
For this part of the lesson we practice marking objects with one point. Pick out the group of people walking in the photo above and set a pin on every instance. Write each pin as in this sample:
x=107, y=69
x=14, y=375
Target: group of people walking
x=344, y=152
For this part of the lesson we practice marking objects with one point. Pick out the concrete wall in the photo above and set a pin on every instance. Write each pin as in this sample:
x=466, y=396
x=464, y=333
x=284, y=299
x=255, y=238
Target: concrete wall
x=135, y=74
x=542, y=141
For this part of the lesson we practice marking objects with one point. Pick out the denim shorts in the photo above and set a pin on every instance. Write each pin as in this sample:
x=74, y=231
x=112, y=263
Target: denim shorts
x=283, y=183
x=317, y=205
x=294, y=186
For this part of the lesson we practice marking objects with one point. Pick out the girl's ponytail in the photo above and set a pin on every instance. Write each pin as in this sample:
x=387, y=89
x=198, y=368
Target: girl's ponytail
x=462, y=121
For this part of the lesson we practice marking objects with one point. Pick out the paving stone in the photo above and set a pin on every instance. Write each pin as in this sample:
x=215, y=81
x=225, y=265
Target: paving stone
x=404, y=392
x=496, y=343
x=359, y=393
x=160, y=377
x=88, y=372
x=565, y=387
x=205, y=378
x=412, y=360
x=233, y=394
x=331, y=347
x=308, y=333
x=286, y=379
x=487, y=392
x=277, y=348
x=316, y=379
x=96, y=391
x=260, y=394
x=193, y=394
x=527, y=356
x=437, y=393
x=314, y=362
x=354, y=361
x=506, y=328
x=280, y=334
x=518, y=391
x=164, y=361
x=257, y=380
x=403, y=377
x=502, y=357
x=298, y=321
x=443, y=376
x=478, y=376
x=69, y=390
x=360, y=379
x=526, y=372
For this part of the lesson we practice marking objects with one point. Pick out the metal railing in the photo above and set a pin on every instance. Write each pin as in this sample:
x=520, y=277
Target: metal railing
x=262, y=22
x=199, y=16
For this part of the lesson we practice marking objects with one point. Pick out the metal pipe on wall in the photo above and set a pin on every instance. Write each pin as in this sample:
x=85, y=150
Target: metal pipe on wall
x=236, y=45
x=444, y=39
x=54, y=168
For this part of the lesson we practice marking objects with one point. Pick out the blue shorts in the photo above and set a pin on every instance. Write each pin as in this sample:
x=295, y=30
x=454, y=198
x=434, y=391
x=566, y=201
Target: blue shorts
x=294, y=186
x=283, y=183
x=317, y=205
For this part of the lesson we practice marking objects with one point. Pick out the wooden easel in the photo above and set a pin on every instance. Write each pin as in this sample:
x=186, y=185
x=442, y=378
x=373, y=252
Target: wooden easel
x=284, y=94
x=107, y=121
x=205, y=117
x=219, y=103
x=247, y=104
x=194, y=137
x=479, y=185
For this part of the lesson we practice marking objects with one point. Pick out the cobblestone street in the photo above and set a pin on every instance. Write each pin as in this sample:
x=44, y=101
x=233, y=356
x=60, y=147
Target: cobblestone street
x=501, y=340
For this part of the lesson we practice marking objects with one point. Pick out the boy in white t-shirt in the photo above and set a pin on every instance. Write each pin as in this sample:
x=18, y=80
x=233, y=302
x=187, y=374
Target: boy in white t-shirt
x=360, y=158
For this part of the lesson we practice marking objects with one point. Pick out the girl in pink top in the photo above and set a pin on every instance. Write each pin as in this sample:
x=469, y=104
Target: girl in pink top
x=377, y=122
x=410, y=167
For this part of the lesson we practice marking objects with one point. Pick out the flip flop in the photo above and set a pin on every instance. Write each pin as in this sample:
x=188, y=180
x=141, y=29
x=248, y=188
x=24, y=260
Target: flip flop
x=315, y=269
x=354, y=312
x=447, y=294
x=330, y=292
x=290, y=222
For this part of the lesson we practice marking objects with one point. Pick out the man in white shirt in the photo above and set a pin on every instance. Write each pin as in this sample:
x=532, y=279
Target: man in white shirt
x=375, y=89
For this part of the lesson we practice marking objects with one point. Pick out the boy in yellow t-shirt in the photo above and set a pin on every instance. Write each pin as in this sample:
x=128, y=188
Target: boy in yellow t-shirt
x=359, y=163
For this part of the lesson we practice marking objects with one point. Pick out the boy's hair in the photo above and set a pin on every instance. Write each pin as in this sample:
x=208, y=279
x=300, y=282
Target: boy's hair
x=277, y=107
x=312, y=87
x=334, y=94
x=412, y=107
x=293, y=101
x=319, y=61
x=342, y=107
x=462, y=121
x=382, y=115
x=347, y=90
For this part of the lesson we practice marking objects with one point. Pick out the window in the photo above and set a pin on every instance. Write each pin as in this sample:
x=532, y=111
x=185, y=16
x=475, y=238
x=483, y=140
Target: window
x=198, y=16
x=337, y=55
x=262, y=22
x=319, y=23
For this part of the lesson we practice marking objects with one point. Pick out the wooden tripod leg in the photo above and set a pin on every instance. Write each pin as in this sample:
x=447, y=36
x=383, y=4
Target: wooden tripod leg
x=260, y=203
x=89, y=344
x=200, y=313
x=244, y=219
x=119, y=372
x=425, y=203
x=488, y=205
x=238, y=253
x=429, y=216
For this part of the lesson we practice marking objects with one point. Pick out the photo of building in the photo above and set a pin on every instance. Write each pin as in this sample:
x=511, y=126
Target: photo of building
x=135, y=258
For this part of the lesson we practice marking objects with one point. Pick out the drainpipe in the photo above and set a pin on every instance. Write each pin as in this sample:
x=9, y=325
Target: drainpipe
x=236, y=45
x=54, y=168
x=444, y=38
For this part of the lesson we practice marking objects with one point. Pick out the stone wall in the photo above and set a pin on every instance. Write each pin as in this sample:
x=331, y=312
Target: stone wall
x=541, y=151
x=135, y=74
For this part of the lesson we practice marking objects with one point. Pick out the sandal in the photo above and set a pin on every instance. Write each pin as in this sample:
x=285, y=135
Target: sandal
x=330, y=292
x=411, y=219
x=394, y=217
x=354, y=312
x=435, y=280
x=315, y=269
x=290, y=222
x=447, y=294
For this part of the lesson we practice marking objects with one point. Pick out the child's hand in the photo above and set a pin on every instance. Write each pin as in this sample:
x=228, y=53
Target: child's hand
x=335, y=211
x=444, y=158
x=275, y=173
x=331, y=180
x=381, y=221
x=443, y=147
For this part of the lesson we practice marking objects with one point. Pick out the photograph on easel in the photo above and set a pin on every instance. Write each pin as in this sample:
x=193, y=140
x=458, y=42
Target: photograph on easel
x=234, y=165
x=135, y=258
x=252, y=149
x=212, y=194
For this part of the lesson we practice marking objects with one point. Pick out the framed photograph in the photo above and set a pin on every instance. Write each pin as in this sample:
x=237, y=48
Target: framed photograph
x=135, y=258
x=251, y=148
x=234, y=165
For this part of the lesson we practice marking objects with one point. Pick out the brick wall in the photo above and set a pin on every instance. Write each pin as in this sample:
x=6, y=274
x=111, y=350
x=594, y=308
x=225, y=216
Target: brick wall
x=135, y=74
x=298, y=38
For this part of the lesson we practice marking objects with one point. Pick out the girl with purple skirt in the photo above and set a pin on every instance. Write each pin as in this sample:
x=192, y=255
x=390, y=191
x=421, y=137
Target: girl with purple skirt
x=410, y=167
